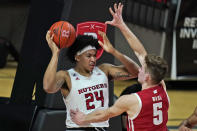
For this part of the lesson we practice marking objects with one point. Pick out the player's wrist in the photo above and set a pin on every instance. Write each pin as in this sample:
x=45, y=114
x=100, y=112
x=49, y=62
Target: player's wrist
x=186, y=123
x=84, y=121
x=112, y=50
x=55, y=53
x=121, y=25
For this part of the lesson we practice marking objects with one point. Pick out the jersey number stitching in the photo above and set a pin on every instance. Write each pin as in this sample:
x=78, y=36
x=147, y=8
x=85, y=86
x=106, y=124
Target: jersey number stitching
x=90, y=98
x=157, y=113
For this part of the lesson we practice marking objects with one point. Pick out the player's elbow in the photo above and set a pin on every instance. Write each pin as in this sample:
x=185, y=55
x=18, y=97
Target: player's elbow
x=133, y=74
x=101, y=119
x=48, y=88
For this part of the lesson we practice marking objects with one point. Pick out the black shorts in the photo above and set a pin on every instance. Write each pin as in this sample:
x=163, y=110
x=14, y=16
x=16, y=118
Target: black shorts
x=88, y=129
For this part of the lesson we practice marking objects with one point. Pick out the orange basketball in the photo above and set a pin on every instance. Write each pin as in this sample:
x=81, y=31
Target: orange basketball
x=64, y=34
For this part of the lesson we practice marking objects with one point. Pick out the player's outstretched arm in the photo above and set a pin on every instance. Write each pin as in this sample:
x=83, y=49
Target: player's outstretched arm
x=120, y=106
x=189, y=123
x=133, y=41
x=52, y=81
x=128, y=70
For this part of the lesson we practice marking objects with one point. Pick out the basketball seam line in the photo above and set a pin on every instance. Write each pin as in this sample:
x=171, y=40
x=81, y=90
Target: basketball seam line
x=69, y=33
x=60, y=33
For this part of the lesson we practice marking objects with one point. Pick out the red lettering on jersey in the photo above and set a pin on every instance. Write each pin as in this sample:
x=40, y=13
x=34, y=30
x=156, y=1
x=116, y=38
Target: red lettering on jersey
x=80, y=91
x=95, y=87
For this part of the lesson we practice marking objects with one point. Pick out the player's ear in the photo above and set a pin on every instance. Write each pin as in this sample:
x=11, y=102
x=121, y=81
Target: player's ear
x=77, y=58
x=147, y=77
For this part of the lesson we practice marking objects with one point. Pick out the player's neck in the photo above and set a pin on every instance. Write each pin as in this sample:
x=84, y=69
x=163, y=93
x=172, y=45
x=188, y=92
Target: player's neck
x=148, y=85
x=83, y=72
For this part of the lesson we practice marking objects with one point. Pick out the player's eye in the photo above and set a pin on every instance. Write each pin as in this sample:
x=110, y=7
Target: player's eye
x=88, y=56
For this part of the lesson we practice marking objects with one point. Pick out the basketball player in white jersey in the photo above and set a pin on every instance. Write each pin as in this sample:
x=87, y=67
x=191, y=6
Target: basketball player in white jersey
x=86, y=85
x=147, y=110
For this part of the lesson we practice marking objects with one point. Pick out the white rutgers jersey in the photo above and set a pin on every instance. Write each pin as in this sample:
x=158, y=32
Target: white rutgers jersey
x=87, y=94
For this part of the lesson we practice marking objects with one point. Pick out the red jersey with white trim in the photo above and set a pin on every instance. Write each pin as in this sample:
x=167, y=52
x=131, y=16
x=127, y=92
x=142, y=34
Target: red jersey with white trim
x=153, y=116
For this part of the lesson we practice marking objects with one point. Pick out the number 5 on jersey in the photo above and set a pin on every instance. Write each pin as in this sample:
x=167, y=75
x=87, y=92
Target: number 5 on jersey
x=157, y=113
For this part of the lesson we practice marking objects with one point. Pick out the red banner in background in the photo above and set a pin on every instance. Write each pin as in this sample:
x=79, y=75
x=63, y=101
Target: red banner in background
x=92, y=28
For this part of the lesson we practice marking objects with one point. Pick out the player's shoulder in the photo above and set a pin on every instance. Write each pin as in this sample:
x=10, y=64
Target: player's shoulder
x=128, y=102
x=104, y=66
x=163, y=84
x=63, y=73
x=131, y=98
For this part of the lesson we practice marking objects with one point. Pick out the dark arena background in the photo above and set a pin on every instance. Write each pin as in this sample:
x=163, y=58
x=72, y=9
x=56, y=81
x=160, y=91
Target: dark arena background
x=165, y=27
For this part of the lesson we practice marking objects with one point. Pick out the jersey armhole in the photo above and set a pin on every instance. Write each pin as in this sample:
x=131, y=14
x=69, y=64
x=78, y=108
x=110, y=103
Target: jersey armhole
x=107, y=77
x=140, y=106
x=65, y=86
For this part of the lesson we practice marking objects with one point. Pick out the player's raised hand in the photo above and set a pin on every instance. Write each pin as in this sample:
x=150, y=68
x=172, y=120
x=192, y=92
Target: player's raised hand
x=51, y=43
x=107, y=46
x=117, y=15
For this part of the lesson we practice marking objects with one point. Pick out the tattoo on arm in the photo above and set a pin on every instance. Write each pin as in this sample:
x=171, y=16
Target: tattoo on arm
x=122, y=75
x=59, y=83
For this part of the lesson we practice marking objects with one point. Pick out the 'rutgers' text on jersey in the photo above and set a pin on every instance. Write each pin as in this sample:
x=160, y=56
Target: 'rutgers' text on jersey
x=87, y=94
x=153, y=115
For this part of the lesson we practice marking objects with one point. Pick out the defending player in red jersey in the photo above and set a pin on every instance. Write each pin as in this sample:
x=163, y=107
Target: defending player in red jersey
x=148, y=109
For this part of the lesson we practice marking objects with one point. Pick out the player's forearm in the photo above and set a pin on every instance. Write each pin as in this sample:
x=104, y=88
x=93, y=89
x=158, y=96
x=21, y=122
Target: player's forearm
x=96, y=116
x=50, y=75
x=129, y=64
x=133, y=41
x=192, y=120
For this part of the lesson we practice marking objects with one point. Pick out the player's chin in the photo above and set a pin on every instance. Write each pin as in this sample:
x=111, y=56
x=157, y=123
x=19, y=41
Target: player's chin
x=91, y=68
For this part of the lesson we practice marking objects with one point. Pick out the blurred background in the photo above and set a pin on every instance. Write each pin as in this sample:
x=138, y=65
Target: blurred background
x=165, y=27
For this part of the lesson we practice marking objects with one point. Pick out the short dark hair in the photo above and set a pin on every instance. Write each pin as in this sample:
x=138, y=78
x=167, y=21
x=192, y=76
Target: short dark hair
x=81, y=42
x=156, y=66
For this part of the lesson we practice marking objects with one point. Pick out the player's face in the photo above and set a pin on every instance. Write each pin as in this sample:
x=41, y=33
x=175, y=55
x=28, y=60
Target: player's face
x=88, y=59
